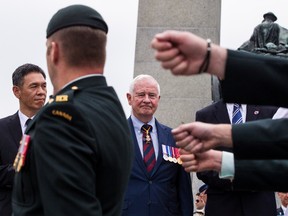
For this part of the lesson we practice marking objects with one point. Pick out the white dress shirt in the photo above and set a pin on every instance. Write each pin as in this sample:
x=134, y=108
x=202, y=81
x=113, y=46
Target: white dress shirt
x=23, y=118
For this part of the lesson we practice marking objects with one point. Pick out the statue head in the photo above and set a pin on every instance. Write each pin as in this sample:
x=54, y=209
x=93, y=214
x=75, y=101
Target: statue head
x=270, y=16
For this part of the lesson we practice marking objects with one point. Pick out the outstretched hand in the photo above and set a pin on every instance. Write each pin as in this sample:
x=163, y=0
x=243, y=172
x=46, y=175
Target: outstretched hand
x=209, y=160
x=198, y=137
x=184, y=53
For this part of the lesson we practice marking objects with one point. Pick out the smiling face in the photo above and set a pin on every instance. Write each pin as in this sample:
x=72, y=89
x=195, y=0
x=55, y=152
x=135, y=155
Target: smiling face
x=31, y=93
x=144, y=99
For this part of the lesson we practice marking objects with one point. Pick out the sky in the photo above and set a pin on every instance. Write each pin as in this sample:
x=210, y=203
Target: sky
x=24, y=25
x=23, y=41
x=240, y=17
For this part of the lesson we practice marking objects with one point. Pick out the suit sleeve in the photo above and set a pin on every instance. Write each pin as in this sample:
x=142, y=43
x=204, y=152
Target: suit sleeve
x=267, y=139
x=265, y=79
x=211, y=178
x=265, y=175
x=66, y=155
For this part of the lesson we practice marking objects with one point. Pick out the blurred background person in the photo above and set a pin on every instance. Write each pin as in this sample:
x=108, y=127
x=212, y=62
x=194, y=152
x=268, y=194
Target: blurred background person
x=283, y=196
x=200, y=200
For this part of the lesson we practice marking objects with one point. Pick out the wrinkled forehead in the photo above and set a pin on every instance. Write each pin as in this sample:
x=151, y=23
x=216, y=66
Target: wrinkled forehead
x=146, y=85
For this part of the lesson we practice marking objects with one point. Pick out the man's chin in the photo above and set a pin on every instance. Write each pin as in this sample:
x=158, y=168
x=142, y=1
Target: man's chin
x=146, y=112
x=39, y=105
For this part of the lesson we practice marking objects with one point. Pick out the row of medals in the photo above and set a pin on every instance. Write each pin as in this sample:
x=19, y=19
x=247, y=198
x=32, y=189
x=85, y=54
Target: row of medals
x=171, y=154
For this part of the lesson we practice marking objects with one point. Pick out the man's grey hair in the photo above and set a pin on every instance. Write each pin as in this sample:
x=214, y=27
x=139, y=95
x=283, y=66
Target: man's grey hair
x=142, y=77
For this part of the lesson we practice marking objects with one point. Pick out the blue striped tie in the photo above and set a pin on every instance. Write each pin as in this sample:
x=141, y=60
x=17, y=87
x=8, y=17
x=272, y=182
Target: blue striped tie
x=148, y=149
x=237, y=116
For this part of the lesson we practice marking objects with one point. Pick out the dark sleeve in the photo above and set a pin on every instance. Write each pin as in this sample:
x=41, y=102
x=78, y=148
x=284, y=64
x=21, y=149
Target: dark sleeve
x=267, y=139
x=65, y=153
x=264, y=78
x=262, y=175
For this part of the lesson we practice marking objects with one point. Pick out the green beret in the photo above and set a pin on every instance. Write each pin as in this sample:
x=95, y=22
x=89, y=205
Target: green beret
x=76, y=15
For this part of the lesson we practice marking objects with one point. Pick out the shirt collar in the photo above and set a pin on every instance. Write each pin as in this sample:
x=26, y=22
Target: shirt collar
x=138, y=124
x=23, y=118
x=79, y=78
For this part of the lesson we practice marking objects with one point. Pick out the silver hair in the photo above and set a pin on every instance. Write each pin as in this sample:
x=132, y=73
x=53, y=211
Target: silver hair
x=141, y=77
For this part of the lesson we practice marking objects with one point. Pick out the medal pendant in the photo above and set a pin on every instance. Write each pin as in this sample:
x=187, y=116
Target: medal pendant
x=148, y=139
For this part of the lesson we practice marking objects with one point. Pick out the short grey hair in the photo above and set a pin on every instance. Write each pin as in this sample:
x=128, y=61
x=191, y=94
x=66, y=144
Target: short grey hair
x=142, y=77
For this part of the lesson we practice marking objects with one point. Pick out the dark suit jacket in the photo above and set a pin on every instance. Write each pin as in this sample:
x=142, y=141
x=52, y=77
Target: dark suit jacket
x=250, y=80
x=10, y=133
x=166, y=192
x=265, y=80
x=222, y=198
x=79, y=157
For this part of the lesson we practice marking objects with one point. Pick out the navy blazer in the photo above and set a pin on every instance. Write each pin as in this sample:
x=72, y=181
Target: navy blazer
x=167, y=191
x=220, y=190
x=10, y=133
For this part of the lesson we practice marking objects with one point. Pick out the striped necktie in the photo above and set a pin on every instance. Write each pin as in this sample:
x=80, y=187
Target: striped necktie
x=148, y=149
x=237, y=116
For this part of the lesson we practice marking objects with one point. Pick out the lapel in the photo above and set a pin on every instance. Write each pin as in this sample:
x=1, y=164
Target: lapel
x=15, y=128
x=252, y=112
x=162, y=140
x=220, y=113
x=137, y=152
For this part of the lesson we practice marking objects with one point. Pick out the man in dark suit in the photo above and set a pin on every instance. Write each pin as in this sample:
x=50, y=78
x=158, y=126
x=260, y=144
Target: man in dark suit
x=166, y=189
x=76, y=157
x=221, y=198
x=29, y=87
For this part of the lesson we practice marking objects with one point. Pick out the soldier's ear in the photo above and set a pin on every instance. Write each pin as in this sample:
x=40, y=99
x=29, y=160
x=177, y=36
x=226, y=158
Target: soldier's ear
x=54, y=52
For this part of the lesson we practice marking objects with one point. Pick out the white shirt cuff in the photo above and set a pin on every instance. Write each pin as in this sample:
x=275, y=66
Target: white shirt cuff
x=227, y=166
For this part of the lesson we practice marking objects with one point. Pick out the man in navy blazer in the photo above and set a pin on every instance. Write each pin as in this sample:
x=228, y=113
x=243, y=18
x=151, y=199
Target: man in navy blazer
x=166, y=190
x=29, y=86
x=221, y=198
